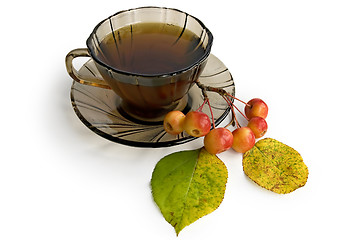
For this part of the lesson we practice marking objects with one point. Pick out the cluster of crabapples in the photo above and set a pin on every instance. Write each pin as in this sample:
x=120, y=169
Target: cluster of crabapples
x=217, y=140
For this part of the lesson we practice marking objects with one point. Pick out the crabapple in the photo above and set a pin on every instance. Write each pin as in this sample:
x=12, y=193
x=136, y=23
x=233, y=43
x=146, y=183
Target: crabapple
x=197, y=124
x=173, y=122
x=218, y=140
x=243, y=139
x=258, y=126
x=256, y=108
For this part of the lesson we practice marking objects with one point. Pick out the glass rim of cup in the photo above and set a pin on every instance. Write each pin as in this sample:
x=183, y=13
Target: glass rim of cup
x=196, y=63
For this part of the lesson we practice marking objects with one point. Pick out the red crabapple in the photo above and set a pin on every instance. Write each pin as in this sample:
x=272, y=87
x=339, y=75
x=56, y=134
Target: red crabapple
x=197, y=124
x=256, y=108
x=258, y=125
x=173, y=122
x=218, y=140
x=243, y=139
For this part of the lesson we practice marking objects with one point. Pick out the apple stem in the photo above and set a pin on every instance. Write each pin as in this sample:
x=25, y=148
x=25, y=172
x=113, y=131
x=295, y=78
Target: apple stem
x=231, y=105
x=201, y=107
x=210, y=109
x=225, y=95
x=230, y=95
x=240, y=112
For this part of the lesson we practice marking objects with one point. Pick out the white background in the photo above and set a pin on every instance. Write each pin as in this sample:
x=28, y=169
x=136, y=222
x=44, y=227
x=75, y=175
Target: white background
x=59, y=180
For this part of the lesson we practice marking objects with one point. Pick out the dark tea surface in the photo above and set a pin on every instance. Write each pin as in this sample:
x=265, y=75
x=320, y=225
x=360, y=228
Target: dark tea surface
x=151, y=49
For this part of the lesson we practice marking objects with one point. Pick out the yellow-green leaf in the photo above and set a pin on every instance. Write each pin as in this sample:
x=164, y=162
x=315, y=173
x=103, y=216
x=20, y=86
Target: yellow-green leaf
x=188, y=185
x=275, y=166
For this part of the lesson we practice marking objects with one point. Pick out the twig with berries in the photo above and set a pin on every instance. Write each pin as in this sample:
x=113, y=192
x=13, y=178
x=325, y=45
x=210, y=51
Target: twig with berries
x=197, y=123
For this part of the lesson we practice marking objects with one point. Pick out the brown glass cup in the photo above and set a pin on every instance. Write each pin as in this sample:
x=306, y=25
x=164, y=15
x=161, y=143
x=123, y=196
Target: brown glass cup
x=144, y=96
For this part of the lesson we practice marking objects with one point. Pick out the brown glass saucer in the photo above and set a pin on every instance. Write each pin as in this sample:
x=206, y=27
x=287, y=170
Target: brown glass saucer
x=98, y=108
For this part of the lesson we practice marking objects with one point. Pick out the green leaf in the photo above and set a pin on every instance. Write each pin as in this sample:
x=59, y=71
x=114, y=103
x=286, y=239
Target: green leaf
x=188, y=185
x=275, y=166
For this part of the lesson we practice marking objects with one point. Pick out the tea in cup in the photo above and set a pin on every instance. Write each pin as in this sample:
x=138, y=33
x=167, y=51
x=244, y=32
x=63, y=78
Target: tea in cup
x=150, y=57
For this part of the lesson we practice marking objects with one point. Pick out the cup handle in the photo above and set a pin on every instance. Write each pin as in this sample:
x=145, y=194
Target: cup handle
x=82, y=52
